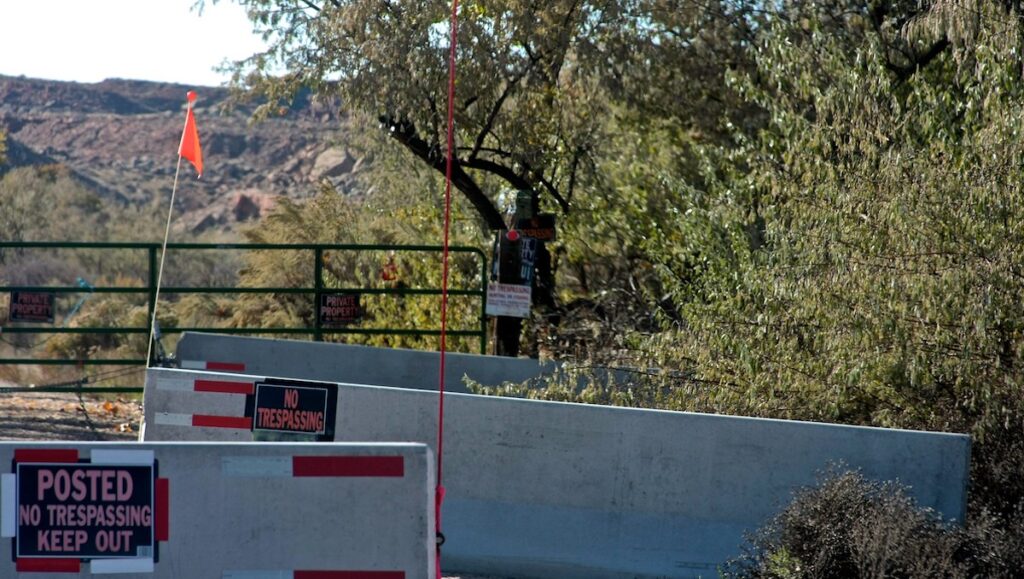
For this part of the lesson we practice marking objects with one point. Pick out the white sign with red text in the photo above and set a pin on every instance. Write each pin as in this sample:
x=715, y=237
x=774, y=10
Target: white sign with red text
x=510, y=300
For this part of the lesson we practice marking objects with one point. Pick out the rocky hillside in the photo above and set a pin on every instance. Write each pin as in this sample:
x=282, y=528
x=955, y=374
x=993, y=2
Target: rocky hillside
x=121, y=138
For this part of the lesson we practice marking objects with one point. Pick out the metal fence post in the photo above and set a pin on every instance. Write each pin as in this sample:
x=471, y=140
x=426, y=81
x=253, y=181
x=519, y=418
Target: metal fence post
x=318, y=288
x=483, y=303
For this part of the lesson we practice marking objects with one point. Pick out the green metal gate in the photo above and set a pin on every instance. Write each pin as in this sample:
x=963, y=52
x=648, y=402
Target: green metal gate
x=314, y=290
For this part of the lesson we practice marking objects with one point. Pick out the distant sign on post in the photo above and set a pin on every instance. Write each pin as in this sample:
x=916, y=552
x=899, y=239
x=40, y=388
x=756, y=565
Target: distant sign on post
x=540, y=227
x=510, y=300
x=340, y=309
x=31, y=307
x=70, y=510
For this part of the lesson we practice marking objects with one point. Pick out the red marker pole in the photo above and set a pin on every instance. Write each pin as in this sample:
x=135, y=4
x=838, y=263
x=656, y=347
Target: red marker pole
x=439, y=496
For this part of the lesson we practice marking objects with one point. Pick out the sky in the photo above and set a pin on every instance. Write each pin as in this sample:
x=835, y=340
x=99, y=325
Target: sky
x=91, y=40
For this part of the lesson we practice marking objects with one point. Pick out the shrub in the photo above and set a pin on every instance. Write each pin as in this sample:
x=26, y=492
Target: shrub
x=849, y=526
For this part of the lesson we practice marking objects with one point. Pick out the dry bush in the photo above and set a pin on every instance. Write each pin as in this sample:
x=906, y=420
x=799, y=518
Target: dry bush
x=850, y=526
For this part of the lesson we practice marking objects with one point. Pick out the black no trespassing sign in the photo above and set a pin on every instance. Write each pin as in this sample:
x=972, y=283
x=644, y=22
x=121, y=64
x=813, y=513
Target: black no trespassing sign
x=84, y=511
x=295, y=407
x=66, y=511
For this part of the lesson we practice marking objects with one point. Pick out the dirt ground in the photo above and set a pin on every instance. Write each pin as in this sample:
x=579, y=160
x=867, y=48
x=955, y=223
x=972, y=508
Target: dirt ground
x=45, y=416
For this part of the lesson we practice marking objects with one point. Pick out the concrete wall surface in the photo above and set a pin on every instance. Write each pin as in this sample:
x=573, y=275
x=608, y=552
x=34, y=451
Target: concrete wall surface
x=216, y=510
x=351, y=363
x=562, y=491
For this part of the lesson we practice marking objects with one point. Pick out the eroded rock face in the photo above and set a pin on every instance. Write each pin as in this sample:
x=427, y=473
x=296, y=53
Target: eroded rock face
x=251, y=205
x=121, y=137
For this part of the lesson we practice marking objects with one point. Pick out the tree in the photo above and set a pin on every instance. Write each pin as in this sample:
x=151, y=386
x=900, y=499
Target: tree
x=535, y=82
x=857, y=258
x=887, y=291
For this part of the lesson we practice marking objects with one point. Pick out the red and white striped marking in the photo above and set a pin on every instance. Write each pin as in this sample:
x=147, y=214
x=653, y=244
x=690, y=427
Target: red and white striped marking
x=203, y=420
x=313, y=466
x=48, y=565
x=45, y=455
x=191, y=384
x=297, y=574
x=213, y=366
x=96, y=566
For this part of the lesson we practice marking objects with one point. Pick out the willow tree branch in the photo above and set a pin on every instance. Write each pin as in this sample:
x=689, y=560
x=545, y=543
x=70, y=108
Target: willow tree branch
x=405, y=133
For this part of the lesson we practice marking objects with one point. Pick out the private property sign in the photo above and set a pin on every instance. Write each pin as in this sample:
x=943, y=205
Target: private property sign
x=340, y=309
x=31, y=307
x=61, y=510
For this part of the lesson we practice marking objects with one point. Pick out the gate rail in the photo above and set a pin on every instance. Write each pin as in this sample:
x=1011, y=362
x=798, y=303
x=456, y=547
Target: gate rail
x=317, y=331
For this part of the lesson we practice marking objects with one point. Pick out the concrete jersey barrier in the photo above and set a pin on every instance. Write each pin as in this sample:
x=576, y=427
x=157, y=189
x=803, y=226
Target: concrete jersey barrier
x=216, y=510
x=350, y=363
x=561, y=491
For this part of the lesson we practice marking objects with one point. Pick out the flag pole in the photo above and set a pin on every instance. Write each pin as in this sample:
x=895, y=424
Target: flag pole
x=188, y=148
x=163, y=254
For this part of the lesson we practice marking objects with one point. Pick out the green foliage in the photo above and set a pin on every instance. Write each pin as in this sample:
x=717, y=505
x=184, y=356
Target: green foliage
x=854, y=260
x=566, y=98
x=108, y=311
x=887, y=291
x=37, y=199
x=405, y=208
x=828, y=226
x=580, y=384
x=586, y=382
x=49, y=203
x=528, y=110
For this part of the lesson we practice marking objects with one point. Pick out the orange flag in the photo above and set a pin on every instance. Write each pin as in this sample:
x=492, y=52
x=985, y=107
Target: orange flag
x=189, y=147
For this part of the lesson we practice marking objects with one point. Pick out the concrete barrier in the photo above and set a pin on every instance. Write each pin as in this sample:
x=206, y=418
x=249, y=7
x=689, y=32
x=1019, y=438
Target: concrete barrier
x=218, y=511
x=562, y=491
x=354, y=364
